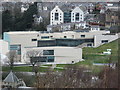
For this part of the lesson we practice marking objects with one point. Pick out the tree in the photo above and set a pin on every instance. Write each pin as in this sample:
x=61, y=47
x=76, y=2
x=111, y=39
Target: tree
x=6, y=21
x=71, y=77
x=40, y=27
x=109, y=78
x=12, y=56
x=31, y=54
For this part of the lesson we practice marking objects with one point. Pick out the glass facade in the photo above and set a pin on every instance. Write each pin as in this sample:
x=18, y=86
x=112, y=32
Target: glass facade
x=48, y=52
x=16, y=48
x=45, y=43
x=64, y=42
x=67, y=17
x=42, y=59
x=73, y=42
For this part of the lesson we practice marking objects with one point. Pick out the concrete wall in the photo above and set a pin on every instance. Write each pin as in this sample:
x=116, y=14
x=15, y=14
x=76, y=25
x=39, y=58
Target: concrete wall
x=98, y=39
x=74, y=35
x=22, y=38
x=63, y=55
x=4, y=47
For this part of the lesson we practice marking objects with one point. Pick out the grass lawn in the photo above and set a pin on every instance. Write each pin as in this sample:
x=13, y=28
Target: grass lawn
x=24, y=69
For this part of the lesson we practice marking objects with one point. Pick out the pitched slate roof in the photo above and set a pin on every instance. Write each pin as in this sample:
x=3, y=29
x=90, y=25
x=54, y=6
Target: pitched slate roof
x=11, y=78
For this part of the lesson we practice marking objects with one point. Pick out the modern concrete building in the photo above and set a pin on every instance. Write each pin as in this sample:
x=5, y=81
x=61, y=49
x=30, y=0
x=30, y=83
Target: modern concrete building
x=4, y=47
x=20, y=41
x=56, y=54
x=103, y=39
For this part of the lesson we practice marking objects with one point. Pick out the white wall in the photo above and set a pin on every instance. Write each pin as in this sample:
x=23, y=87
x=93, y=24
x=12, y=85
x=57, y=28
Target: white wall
x=77, y=10
x=67, y=55
x=63, y=55
x=99, y=38
x=60, y=16
x=4, y=49
x=24, y=39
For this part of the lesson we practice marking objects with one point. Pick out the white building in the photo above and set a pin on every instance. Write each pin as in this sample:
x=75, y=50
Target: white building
x=103, y=39
x=4, y=47
x=58, y=55
x=38, y=19
x=24, y=8
x=77, y=15
x=20, y=41
x=56, y=16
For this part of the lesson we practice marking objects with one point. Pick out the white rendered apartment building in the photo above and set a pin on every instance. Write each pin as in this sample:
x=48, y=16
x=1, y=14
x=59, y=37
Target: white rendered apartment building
x=77, y=15
x=59, y=16
x=56, y=16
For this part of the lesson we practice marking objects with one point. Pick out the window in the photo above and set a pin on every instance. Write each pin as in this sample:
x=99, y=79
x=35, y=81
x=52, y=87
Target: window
x=50, y=58
x=89, y=45
x=44, y=37
x=56, y=16
x=65, y=36
x=16, y=48
x=51, y=36
x=104, y=41
x=48, y=52
x=82, y=35
x=34, y=39
x=77, y=17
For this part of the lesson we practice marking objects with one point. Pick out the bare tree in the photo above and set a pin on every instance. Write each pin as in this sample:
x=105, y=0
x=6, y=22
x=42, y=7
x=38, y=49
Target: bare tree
x=33, y=53
x=12, y=56
x=109, y=78
x=72, y=77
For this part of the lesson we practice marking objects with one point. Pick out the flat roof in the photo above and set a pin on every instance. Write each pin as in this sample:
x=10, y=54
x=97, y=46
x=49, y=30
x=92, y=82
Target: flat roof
x=22, y=32
x=50, y=47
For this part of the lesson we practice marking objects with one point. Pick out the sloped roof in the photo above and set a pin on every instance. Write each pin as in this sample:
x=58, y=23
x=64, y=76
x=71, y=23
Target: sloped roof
x=83, y=8
x=11, y=78
x=66, y=8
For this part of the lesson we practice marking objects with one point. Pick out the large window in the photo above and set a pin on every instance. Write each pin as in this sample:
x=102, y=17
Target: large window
x=77, y=16
x=44, y=37
x=48, y=52
x=50, y=58
x=104, y=41
x=42, y=59
x=16, y=48
x=56, y=16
